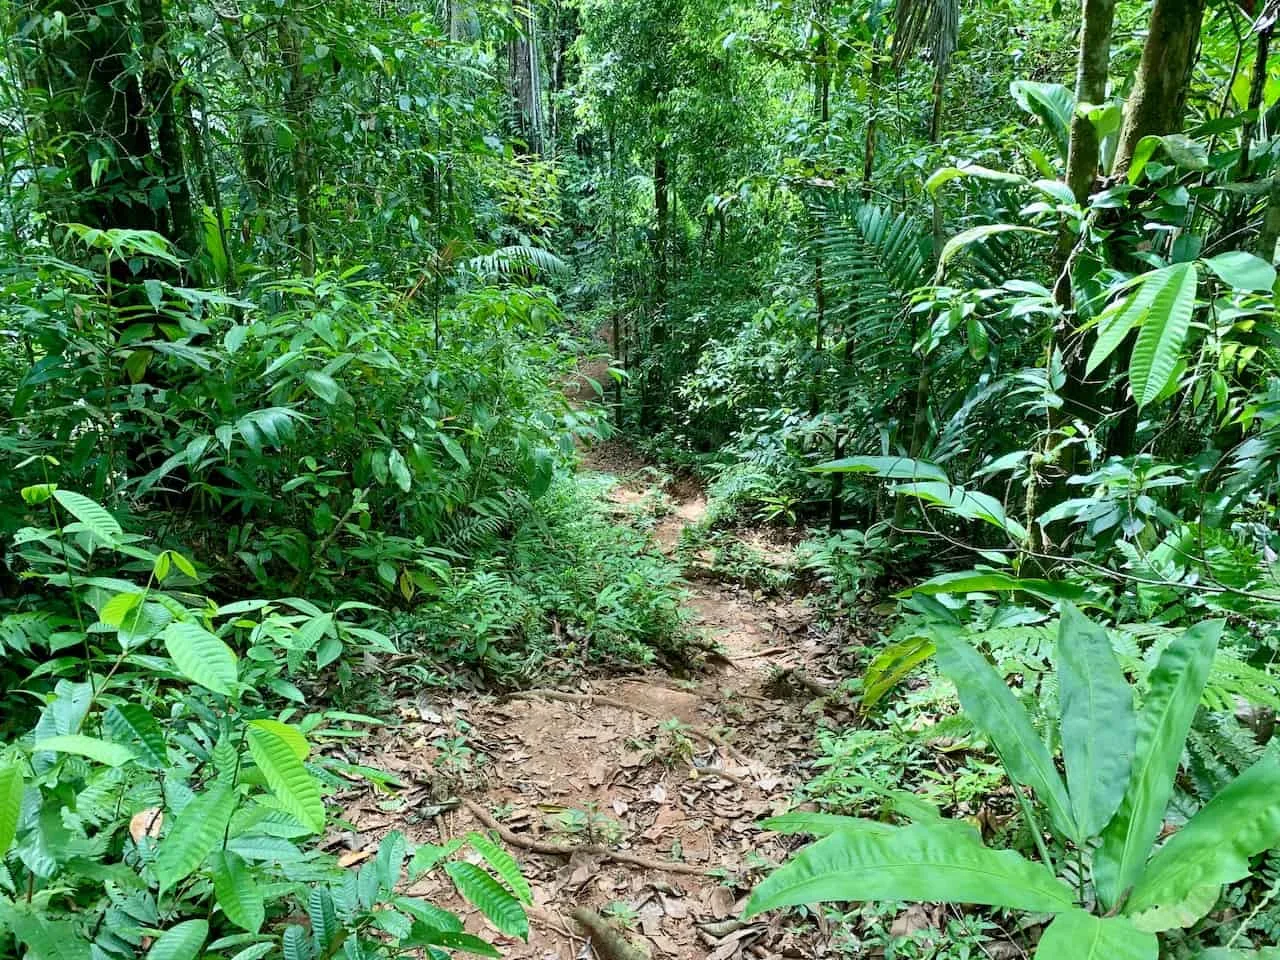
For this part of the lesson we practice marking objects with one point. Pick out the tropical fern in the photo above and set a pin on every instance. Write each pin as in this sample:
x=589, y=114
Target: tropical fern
x=519, y=262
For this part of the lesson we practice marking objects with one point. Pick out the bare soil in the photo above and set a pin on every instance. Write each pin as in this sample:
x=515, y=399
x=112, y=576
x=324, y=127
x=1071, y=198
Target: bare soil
x=611, y=775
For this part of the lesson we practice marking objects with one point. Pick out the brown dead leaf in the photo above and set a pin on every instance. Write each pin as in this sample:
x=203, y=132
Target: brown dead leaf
x=146, y=823
x=352, y=857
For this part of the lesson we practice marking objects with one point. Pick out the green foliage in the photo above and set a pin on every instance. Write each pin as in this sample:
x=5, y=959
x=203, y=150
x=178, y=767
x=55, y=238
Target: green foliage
x=930, y=861
x=202, y=799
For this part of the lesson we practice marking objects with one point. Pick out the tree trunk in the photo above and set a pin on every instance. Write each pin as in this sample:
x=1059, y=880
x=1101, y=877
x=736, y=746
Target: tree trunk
x=297, y=108
x=93, y=100
x=159, y=82
x=873, y=118
x=1091, y=87
x=526, y=75
x=1155, y=108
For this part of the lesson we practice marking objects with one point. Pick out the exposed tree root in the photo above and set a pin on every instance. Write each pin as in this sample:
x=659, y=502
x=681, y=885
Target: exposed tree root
x=569, y=849
x=609, y=943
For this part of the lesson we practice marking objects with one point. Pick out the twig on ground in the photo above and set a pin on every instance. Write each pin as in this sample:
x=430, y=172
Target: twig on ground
x=569, y=849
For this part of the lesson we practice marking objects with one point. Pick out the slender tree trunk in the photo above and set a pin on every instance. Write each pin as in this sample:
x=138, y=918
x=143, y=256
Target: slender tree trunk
x=873, y=118
x=1257, y=86
x=95, y=99
x=526, y=75
x=159, y=83
x=1091, y=87
x=1156, y=106
x=1270, y=232
x=298, y=104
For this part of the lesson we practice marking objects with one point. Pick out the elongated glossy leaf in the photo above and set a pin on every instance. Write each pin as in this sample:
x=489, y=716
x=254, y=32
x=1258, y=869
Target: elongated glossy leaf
x=993, y=581
x=1174, y=692
x=825, y=824
x=1099, y=726
x=1215, y=846
x=490, y=897
x=93, y=515
x=236, y=890
x=996, y=711
x=504, y=864
x=180, y=942
x=1163, y=333
x=198, y=831
x=1115, y=322
x=918, y=863
x=201, y=656
x=1076, y=935
x=295, y=788
x=891, y=665
x=10, y=805
x=103, y=751
x=891, y=468
x=132, y=725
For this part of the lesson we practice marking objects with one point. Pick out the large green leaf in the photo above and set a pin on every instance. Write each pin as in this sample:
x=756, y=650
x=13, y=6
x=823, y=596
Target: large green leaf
x=1163, y=333
x=1076, y=935
x=182, y=941
x=1193, y=908
x=1115, y=322
x=1053, y=103
x=295, y=788
x=993, y=581
x=237, y=891
x=1174, y=692
x=891, y=468
x=991, y=705
x=969, y=504
x=10, y=805
x=503, y=864
x=201, y=656
x=103, y=751
x=918, y=863
x=825, y=824
x=195, y=834
x=1099, y=726
x=490, y=897
x=1242, y=270
x=93, y=515
x=1215, y=847
x=132, y=725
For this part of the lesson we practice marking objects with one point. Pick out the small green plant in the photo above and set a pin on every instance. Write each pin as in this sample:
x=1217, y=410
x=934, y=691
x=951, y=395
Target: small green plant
x=671, y=746
x=163, y=802
x=590, y=824
x=1121, y=764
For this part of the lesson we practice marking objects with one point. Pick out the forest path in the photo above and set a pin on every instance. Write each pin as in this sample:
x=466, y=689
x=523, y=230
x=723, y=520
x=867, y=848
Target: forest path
x=601, y=766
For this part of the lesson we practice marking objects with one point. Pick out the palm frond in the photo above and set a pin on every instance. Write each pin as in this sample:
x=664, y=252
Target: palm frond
x=520, y=262
x=931, y=25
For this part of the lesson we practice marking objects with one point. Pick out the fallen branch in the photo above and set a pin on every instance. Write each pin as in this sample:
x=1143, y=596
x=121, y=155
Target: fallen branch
x=609, y=943
x=569, y=849
x=592, y=699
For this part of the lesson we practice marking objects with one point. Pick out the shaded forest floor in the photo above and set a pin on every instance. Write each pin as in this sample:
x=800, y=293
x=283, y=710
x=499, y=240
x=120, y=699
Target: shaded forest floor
x=635, y=796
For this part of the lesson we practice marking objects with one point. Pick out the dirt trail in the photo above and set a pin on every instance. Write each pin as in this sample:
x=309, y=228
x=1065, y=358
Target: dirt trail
x=581, y=771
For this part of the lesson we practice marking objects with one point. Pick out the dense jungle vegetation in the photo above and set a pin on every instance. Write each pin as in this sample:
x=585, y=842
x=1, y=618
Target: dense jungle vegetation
x=962, y=314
